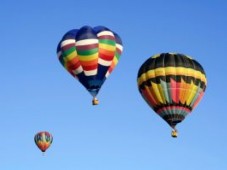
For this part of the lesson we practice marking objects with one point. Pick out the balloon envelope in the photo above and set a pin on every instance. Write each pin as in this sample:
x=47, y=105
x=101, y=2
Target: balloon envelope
x=43, y=140
x=90, y=55
x=172, y=84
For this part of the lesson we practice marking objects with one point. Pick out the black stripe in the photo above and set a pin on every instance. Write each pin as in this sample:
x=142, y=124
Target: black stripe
x=169, y=60
x=173, y=119
x=178, y=78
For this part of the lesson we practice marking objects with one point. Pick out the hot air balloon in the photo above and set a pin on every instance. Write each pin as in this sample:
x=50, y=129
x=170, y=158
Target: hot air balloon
x=90, y=55
x=43, y=140
x=172, y=84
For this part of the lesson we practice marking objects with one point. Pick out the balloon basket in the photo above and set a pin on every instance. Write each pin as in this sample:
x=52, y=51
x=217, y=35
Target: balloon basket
x=95, y=101
x=174, y=133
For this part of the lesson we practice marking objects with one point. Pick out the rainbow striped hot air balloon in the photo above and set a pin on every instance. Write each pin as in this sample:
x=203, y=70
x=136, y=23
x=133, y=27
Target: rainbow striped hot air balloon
x=90, y=55
x=172, y=84
x=43, y=140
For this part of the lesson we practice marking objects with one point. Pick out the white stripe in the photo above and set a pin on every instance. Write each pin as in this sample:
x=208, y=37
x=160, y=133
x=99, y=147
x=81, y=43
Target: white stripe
x=90, y=73
x=78, y=70
x=76, y=77
x=104, y=62
x=105, y=33
x=107, y=74
x=66, y=42
x=119, y=46
x=59, y=54
x=87, y=42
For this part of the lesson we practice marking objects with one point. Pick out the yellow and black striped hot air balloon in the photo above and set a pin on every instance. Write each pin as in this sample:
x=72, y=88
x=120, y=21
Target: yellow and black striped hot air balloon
x=172, y=84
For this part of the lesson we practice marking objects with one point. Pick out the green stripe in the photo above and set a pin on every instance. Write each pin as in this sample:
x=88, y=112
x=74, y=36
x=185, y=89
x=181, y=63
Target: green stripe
x=165, y=90
x=68, y=52
x=87, y=52
x=199, y=90
x=117, y=55
x=107, y=41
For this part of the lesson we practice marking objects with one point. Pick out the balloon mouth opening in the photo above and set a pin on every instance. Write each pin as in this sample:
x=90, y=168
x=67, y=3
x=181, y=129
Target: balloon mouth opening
x=93, y=92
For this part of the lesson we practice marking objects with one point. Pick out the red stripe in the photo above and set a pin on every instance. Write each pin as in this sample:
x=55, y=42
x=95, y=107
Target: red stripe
x=106, y=57
x=109, y=37
x=119, y=51
x=172, y=108
x=73, y=64
x=111, y=67
x=149, y=98
x=175, y=90
x=89, y=68
x=198, y=99
x=87, y=47
x=66, y=47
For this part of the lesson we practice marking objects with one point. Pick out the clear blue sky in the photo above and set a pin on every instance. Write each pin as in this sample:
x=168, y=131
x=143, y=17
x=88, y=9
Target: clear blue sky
x=122, y=133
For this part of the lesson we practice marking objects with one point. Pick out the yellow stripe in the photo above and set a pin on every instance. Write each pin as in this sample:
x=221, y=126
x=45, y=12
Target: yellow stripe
x=88, y=57
x=115, y=60
x=155, y=89
x=149, y=90
x=166, y=71
x=191, y=93
x=156, y=56
x=162, y=93
x=141, y=79
x=107, y=47
x=70, y=56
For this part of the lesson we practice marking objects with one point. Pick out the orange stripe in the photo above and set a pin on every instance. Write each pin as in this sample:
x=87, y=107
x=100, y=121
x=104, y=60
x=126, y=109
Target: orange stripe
x=73, y=64
x=106, y=52
x=89, y=63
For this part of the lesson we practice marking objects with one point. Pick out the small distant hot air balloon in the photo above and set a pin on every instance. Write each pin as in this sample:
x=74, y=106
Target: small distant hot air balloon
x=90, y=55
x=172, y=84
x=43, y=140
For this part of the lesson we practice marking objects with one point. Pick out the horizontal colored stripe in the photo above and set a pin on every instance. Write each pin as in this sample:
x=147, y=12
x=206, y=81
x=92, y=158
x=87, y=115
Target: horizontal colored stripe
x=59, y=54
x=119, y=47
x=67, y=52
x=87, y=52
x=89, y=67
x=110, y=37
x=70, y=56
x=87, y=42
x=77, y=70
x=66, y=42
x=88, y=58
x=87, y=47
x=104, y=62
x=107, y=41
x=115, y=61
x=90, y=73
x=112, y=66
x=72, y=65
x=117, y=56
x=107, y=47
x=68, y=46
x=108, y=73
x=90, y=62
x=105, y=33
x=162, y=109
x=171, y=71
x=106, y=57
